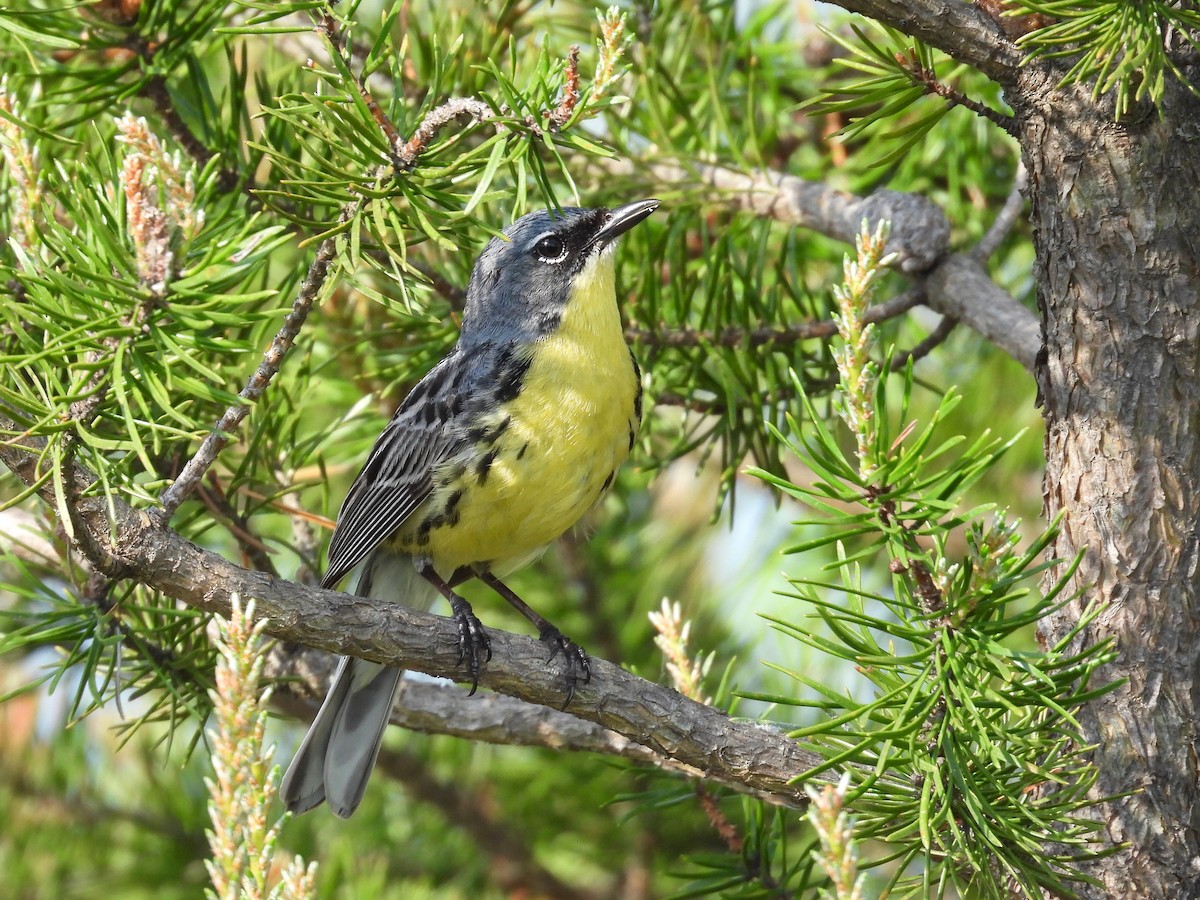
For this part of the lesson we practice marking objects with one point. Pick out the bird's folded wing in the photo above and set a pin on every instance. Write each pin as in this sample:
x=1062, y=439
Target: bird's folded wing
x=398, y=476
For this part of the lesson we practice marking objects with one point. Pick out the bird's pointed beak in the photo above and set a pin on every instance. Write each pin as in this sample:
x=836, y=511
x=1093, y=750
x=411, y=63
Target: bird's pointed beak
x=621, y=219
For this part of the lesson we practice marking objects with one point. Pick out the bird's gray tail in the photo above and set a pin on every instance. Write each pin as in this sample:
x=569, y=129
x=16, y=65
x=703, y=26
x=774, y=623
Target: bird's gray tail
x=336, y=757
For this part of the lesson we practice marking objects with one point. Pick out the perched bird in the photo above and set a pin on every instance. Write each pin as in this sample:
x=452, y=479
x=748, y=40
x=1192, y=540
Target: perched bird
x=500, y=449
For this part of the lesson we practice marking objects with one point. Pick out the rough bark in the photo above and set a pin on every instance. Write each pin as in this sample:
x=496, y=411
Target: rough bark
x=1118, y=265
x=125, y=542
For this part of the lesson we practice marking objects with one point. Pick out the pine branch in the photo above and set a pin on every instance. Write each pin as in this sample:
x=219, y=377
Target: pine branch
x=431, y=708
x=514, y=866
x=953, y=284
x=285, y=338
x=920, y=232
x=935, y=339
x=238, y=525
x=155, y=90
x=1006, y=219
x=144, y=549
x=961, y=30
x=928, y=79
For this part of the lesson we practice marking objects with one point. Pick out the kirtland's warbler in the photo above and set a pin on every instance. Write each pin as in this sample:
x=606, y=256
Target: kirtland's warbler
x=500, y=449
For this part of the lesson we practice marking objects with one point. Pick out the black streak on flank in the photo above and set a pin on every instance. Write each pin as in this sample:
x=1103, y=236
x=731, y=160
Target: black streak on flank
x=510, y=372
x=448, y=516
x=521, y=452
x=607, y=482
x=632, y=436
x=484, y=466
x=548, y=321
x=482, y=434
x=637, y=397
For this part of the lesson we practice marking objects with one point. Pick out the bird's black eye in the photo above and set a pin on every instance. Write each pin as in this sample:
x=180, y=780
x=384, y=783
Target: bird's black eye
x=550, y=248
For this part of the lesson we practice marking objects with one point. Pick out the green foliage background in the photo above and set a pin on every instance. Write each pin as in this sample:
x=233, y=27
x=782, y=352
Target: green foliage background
x=281, y=148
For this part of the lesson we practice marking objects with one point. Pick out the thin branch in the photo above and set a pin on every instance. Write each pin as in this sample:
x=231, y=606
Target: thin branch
x=757, y=337
x=959, y=29
x=960, y=288
x=1006, y=219
x=221, y=434
x=327, y=26
x=514, y=868
x=661, y=719
x=442, y=708
x=954, y=284
x=559, y=116
x=934, y=339
x=155, y=90
x=238, y=525
x=920, y=233
x=405, y=156
x=929, y=80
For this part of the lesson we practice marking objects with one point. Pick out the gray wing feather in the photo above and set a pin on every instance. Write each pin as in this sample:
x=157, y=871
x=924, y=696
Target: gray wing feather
x=427, y=429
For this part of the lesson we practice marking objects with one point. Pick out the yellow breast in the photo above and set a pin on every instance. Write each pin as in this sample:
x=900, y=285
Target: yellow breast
x=560, y=442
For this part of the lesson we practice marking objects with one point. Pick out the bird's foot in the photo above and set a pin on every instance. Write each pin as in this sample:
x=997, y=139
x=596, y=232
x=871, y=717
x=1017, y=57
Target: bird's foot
x=472, y=639
x=575, y=660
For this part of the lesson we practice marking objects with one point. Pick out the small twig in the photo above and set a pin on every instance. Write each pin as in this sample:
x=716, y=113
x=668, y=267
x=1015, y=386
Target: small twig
x=566, y=107
x=515, y=867
x=925, y=347
x=717, y=818
x=155, y=90
x=327, y=26
x=97, y=592
x=304, y=541
x=220, y=436
x=929, y=80
x=405, y=157
x=757, y=337
x=1005, y=219
x=217, y=501
x=932, y=599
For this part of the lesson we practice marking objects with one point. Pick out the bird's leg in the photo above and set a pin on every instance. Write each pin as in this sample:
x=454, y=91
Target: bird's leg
x=471, y=636
x=577, y=665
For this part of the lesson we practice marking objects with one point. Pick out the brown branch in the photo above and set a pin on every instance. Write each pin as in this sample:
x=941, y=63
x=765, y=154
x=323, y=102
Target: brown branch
x=566, y=107
x=221, y=434
x=438, y=708
x=719, y=821
x=405, y=157
x=929, y=80
x=960, y=288
x=920, y=233
x=959, y=29
x=935, y=339
x=155, y=90
x=512, y=865
x=1005, y=220
x=748, y=754
x=757, y=337
x=238, y=525
x=954, y=284
x=327, y=26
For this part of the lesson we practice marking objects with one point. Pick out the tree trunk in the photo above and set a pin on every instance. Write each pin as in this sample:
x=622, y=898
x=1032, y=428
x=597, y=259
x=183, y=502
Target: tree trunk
x=1117, y=218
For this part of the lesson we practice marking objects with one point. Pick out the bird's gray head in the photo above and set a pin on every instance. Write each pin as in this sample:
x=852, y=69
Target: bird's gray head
x=519, y=286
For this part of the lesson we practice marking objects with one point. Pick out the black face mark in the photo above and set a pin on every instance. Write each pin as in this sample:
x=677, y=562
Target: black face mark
x=527, y=278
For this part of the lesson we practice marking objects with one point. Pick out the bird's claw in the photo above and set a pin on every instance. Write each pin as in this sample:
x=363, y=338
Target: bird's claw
x=576, y=663
x=472, y=638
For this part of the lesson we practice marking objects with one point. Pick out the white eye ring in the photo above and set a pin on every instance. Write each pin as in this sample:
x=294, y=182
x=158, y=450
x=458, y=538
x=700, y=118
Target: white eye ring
x=550, y=248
